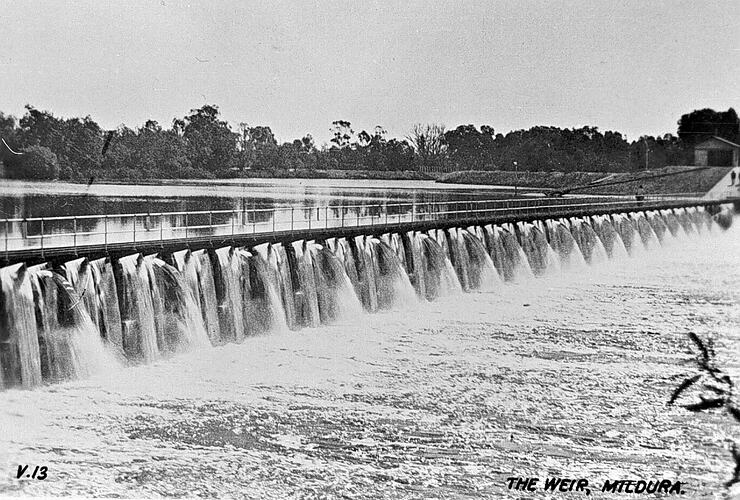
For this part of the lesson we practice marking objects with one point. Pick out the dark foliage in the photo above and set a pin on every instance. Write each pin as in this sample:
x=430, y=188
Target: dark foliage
x=203, y=145
x=716, y=382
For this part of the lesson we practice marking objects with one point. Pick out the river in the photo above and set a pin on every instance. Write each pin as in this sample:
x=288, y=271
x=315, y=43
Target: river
x=565, y=374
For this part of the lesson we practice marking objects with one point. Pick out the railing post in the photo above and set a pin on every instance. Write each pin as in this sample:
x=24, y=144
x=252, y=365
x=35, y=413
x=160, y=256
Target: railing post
x=105, y=230
x=233, y=221
x=134, y=228
x=186, y=225
x=310, y=216
x=210, y=227
x=254, y=220
x=326, y=216
x=292, y=209
x=161, y=230
x=7, y=233
x=342, y=215
x=74, y=237
x=42, y=238
x=273, y=220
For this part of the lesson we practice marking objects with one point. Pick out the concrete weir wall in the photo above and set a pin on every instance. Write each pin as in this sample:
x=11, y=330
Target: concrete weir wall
x=68, y=316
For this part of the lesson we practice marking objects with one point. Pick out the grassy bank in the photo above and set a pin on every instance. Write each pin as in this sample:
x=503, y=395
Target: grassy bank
x=675, y=180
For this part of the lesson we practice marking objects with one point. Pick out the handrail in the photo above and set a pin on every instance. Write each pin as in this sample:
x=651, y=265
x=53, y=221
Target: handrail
x=81, y=231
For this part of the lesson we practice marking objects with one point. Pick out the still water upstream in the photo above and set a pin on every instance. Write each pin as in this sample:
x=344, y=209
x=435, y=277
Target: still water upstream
x=562, y=374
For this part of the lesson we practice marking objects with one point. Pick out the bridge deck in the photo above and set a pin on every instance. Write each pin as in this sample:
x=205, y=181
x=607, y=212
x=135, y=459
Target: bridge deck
x=35, y=240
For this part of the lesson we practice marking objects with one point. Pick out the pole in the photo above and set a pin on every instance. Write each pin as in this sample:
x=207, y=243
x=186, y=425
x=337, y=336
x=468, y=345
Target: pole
x=516, y=178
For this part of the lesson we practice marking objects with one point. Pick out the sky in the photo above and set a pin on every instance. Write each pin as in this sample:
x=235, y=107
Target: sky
x=630, y=66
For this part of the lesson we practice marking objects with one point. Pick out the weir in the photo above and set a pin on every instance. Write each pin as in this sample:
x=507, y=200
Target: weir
x=68, y=316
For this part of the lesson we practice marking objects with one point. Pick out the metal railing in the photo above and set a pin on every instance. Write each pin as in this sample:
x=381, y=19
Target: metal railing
x=75, y=232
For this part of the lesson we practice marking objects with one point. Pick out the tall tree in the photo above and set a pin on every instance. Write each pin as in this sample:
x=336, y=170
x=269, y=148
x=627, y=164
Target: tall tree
x=429, y=144
x=210, y=141
x=701, y=124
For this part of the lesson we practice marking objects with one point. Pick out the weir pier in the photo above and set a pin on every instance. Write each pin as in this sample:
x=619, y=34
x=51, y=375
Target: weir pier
x=82, y=292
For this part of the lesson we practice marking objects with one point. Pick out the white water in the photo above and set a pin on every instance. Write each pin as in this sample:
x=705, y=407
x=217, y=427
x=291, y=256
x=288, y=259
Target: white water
x=464, y=374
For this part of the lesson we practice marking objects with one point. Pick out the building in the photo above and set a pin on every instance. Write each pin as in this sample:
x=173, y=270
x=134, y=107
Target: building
x=717, y=152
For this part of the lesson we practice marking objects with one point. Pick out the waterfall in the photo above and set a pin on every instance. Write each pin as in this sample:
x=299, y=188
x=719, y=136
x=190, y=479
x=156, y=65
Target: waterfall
x=588, y=241
x=684, y=218
x=367, y=272
x=646, y=232
x=281, y=266
x=659, y=226
x=343, y=251
x=180, y=324
x=110, y=316
x=564, y=245
x=392, y=282
x=80, y=275
x=671, y=222
x=481, y=272
x=630, y=237
x=542, y=258
x=19, y=346
x=440, y=278
x=337, y=297
x=197, y=272
x=70, y=322
x=263, y=307
x=227, y=277
x=137, y=310
x=307, y=301
x=415, y=264
x=610, y=238
x=69, y=341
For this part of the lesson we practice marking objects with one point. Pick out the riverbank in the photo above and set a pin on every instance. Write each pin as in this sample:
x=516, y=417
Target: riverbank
x=668, y=180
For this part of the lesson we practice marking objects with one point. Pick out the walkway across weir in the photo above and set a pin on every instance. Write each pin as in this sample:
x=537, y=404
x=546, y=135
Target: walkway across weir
x=40, y=239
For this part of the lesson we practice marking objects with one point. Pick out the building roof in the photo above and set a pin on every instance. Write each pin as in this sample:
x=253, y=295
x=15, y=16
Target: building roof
x=717, y=138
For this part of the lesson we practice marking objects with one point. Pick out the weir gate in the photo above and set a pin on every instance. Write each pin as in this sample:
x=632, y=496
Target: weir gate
x=39, y=239
x=83, y=293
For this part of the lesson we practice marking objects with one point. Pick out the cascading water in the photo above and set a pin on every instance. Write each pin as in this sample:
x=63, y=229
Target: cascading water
x=481, y=272
x=336, y=295
x=542, y=258
x=439, y=275
x=564, y=245
x=393, y=285
x=52, y=328
x=610, y=237
x=137, y=310
x=588, y=241
x=180, y=326
x=229, y=292
x=266, y=309
x=198, y=274
x=19, y=348
x=630, y=237
x=646, y=232
x=659, y=227
x=110, y=316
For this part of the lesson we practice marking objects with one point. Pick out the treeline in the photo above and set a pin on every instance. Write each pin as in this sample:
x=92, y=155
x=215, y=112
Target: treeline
x=202, y=145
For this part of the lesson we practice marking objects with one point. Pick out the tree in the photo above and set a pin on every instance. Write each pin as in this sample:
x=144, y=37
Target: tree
x=343, y=133
x=429, y=144
x=36, y=162
x=77, y=142
x=211, y=144
x=701, y=124
x=470, y=148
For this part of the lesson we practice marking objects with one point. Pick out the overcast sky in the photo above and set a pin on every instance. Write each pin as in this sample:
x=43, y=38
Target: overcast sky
x=631, y=66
